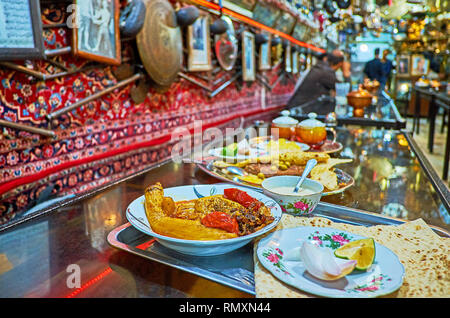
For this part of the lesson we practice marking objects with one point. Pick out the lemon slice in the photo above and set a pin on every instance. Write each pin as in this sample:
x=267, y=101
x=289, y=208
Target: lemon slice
x=362, y=251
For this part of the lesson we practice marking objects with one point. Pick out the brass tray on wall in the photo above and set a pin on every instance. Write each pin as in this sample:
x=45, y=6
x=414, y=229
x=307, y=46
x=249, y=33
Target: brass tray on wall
x=160, y=43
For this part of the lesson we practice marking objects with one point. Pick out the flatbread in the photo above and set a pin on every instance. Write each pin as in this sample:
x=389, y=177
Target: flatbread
x=423, y=253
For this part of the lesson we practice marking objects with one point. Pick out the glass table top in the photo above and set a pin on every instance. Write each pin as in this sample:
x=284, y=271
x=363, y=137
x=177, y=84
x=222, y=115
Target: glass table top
x=388, y=177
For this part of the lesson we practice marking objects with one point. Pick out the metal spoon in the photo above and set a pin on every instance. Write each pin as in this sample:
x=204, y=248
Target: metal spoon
x=309, y=166
x=236, y=170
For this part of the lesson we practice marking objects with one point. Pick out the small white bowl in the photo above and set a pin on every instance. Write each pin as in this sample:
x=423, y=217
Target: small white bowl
x=296, y=204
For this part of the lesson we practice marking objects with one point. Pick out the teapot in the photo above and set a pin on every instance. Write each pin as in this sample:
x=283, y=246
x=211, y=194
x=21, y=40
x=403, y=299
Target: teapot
x=312, y=131
x=285, y=125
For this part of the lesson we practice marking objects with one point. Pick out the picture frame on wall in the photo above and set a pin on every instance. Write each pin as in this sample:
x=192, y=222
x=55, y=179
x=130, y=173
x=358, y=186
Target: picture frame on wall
x=295, y=62
x=403, y=65
x=21, y=30
x=265, y=57
x=299, y=31
x=96, y=34
x=285, y=23
x=419, y=65
x=265, y=13
x=288, y=58
x=199, y=45
x=248, y=56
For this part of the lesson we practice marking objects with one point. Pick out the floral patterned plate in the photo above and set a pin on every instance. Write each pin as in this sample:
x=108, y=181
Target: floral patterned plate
x=383, y=277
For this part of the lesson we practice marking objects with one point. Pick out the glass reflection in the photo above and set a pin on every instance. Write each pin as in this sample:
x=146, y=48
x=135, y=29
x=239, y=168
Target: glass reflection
x=388, y=178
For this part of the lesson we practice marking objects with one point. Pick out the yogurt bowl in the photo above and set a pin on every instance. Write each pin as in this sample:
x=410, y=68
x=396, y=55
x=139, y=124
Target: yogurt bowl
x=303, y=203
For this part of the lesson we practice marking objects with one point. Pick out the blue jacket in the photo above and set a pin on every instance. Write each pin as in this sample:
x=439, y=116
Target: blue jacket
x=374, y=70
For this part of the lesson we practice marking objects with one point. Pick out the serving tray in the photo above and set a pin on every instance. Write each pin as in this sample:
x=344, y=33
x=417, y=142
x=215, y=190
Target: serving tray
x=342, y=176
x=234, y=269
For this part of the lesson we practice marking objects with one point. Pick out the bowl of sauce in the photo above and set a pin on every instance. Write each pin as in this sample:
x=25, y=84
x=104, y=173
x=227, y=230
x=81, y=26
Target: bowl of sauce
x=303, y=202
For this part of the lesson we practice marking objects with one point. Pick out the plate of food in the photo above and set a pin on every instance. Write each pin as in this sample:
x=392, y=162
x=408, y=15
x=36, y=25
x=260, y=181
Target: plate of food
x=258, y=146
x=236, y=151
x=203, y=220
x=266, y=142
x=254, y=171
x=331, y=263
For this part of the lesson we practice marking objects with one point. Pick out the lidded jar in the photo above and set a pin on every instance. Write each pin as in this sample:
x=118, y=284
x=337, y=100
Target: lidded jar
x=311, y=131
x=285, y=124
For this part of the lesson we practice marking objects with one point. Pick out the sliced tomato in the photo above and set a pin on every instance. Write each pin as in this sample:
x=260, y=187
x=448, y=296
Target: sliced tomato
x=242, y=197
x=231, y=194
x=221, y=220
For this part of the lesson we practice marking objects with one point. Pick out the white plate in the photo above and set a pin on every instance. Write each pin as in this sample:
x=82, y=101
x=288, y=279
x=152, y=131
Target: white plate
x=254, y=153
x=255, y=150
x=261, y=143
x=383, y=277
x=137, y=217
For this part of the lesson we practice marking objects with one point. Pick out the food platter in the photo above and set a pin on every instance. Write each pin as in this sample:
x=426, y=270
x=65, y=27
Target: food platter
x=344, y=179
x=136, y=215
x=275, y=254
x=254, y=149
x=262, y=143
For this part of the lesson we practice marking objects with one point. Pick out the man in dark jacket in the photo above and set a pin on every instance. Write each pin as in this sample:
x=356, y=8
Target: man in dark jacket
x=320, y=80
x=374, y=68
x=387, y=68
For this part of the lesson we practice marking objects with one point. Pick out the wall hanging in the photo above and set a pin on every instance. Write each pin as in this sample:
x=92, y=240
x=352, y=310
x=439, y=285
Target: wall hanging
x=199, y=45
x=226, y=46
x=21, y=30
x=248, y=56
x=160, y=44
x=264, y=55
x=96, y=35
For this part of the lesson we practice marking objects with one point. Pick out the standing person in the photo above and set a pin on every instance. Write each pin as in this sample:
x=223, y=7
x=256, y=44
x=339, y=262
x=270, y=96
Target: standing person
x=374, y=68
x=347, y=68
x=344, y=73
x=320, y=80
x=387, y=68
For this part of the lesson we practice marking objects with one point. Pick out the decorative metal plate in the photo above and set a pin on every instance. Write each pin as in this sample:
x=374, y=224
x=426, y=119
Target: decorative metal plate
x=160, y=43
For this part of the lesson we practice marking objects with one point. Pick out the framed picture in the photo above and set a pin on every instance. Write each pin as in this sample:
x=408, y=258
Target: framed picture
x=265, y=55
x=403, y=65
x=295, y=62
x=288, y=58
x=96, y=33
x=199, y=45
x=285, y=23
x=299, y=31
x=248, y=56
x=265, y=13
x=419, y=65
x=21, y=30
